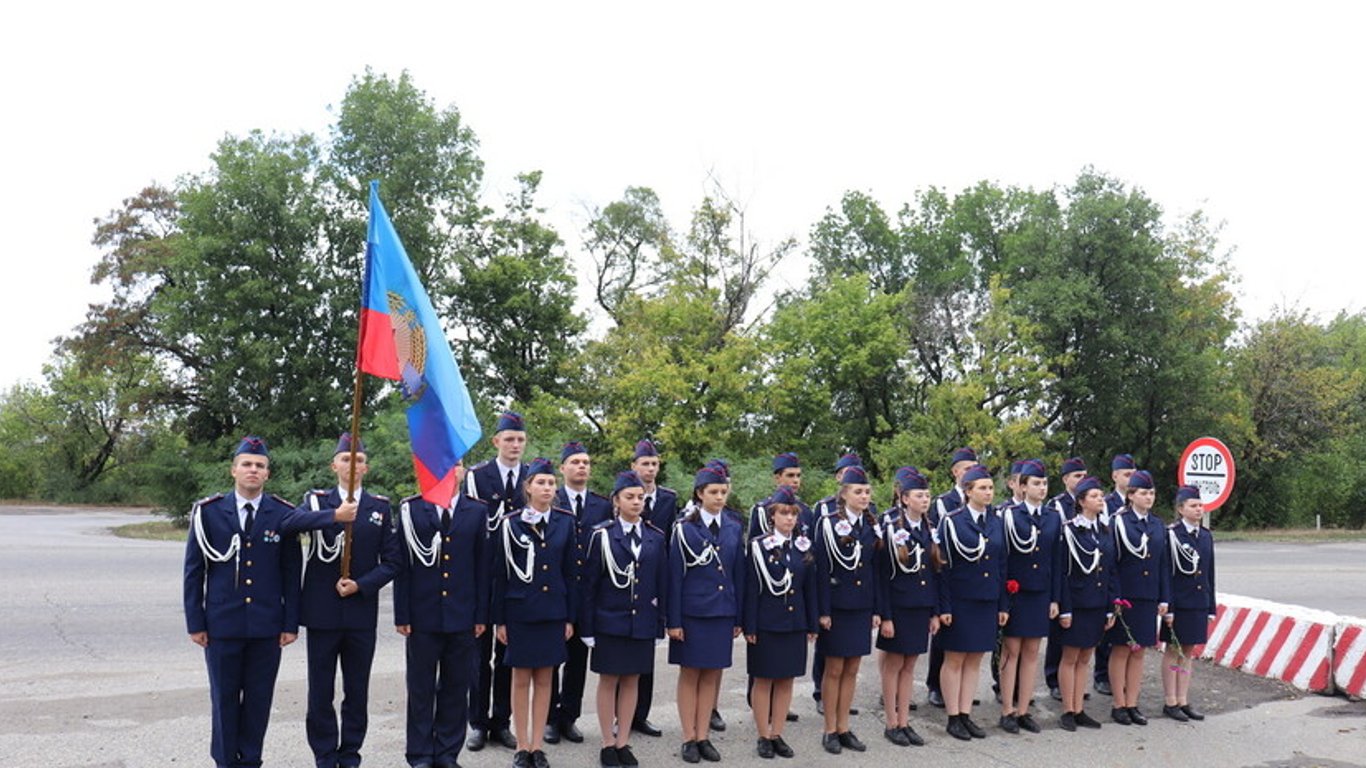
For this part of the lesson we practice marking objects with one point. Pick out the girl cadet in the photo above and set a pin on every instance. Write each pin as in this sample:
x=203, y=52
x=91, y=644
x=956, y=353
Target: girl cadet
x=535, y=598
x=623, y=582
x=846, y=556
x=972, y=596
x=1191, y=549
x=1085, y=586
x=1144, y=585
x=908, y=594
x=1032, y=535
x=706, y=575
x=780, y=616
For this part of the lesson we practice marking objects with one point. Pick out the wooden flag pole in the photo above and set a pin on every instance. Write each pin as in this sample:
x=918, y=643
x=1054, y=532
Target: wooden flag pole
x=351, y=479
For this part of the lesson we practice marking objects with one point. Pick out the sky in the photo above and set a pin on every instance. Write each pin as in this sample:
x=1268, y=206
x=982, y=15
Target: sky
x=1249, y=111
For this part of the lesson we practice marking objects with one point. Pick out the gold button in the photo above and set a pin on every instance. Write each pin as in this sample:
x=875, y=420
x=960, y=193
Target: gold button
x=443, y=593
x=248, y=563
x=986, y=574
x=445, y=575
x=1199, y=586
x=545, y=567
x=1101, y=568
x=445, y=557
x=546, y=588
x=448, y=539
x=858, y=582
x=248, y=599
x=580, y=562
x=248, y=545
x=986, y=557
x=1036, y=566
x=635, y=597
x=790, y=609
x=248, y=582
x=543, y=545
x=922, y=582
x=720, y=587
x=633, y=611
x=719, y=568
x=1145, y=573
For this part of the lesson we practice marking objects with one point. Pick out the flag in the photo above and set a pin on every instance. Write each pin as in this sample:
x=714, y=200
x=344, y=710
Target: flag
x=401, y=339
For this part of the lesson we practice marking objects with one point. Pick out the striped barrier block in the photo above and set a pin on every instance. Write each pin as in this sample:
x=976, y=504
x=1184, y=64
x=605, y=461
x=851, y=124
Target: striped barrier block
x=1274, y=640
x=1349, y=657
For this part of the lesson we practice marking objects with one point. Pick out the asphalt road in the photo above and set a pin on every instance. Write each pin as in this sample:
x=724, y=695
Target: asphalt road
x=96, y=670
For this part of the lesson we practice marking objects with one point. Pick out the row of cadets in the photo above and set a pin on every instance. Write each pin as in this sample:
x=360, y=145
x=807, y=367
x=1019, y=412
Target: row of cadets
x=661, y=509
x=1192, y=601
x=1065, y=504
x=499, y=484
x=622, y=618
x=846, y=555
x=960, y=462
x=341, y=613
x=908, y=598
x=972, y=596
x=241, y=597
x=822, y=508
x=1086, y=588
x=706, y=576
x=1122, y=467
x=441, y=608
x=1032, y=531
x=534, y=559
x=780, y=614
x=1145, y=586
x=589, y=509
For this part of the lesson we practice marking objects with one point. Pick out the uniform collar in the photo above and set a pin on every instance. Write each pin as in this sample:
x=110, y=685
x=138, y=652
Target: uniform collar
x=708, y=518
x=255, y=503
x=1191, y=529
x=341, y=492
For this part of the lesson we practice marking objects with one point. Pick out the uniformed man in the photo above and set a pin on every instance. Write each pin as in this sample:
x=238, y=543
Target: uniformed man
x=787, y=471
x=589, y=509
x=661, y=508
x=498, y=483
x=960, y=462
x=241, y=592
x=341, y=613
x=441, y=607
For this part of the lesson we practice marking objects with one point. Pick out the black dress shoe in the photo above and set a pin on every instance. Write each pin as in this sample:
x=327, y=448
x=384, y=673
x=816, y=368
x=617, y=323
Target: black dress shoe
x=831, y=743
x=708, y=751
x=607, y=758
x=552, y=734
x=478, y=738
x=1055, y=693
x=1174, y=712
x=897, y=736
x=849, y=741
x=717, y=723
x=1068, y=721
x=957, y=730
x=504, y=736
x=853, y=711
x=626, y=757
x=764, y=748
x=1103, y=688
x=1192, y=712
x=539, y=760
x=781, y=748
x=974, y=729
x=1010, y=723
x=641, y=725
x=689, y=752
x=914, y=738
x=1086, y=721
x=1137, y=717
x=791, y=716
x=936, y=699
x=1121, y=715
x=522, y=759
x=571, y=732
x=1028, y=723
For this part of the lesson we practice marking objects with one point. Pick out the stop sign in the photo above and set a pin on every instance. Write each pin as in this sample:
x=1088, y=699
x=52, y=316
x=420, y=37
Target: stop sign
x=1207, y=464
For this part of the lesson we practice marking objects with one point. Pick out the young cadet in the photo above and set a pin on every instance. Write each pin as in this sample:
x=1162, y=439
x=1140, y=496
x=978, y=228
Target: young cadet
x=718, y=723
x=908, y=596
x=1015, y=486
x=787, y=471
x=623, y=586
x=499, y=484
x=1073, y=470
x=960, y=462
x=1033, y=531
x=441, y=608
x=1145, y=585
x=1086, y=585
x=661, y=507
x=589, y=509
x=824, y=507
x=341, y=613
x=780, y=616
x=241, y=594
x=846, y=562
x=1122, y=466
x=706, y=579
x=535, y=599
x=972, y=596
x=1193, y=602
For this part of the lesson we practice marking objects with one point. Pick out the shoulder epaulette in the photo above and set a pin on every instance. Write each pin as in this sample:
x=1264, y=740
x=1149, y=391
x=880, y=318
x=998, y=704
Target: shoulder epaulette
x=561, y=510
x=282, y=499
x=379, y=496
x=410, y=499
x=605, y=524
x=599, y=495
x=480, y=465
x=652, y=527
x=319, y=491
x=209, y=499
x=665, y=489
x=475, y=499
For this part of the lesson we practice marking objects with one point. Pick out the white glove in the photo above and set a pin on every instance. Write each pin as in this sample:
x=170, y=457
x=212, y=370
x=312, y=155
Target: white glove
x=588, y=641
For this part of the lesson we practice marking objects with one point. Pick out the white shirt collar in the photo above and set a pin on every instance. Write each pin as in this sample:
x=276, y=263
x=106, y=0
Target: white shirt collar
x=504, y=469
x=1190, y=528
x=852, y=516
x=341, y=492
x=1081, y=522
x=708, y=518
x=626, y=527
x=255, y=504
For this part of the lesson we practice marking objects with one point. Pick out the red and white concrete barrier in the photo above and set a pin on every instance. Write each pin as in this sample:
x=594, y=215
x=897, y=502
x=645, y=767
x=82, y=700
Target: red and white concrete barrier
x=1349, y=656
x=1283, y=642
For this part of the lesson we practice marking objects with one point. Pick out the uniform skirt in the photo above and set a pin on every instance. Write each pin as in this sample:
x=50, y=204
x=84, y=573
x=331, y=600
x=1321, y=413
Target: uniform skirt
x=973, y=629
x=707, y=643
x=613, y=655
x=1028, y=615
x=1192, y=628
x=776, y=655
x=850, y=634
x=1088, y=626
x=1141, y=621
x=533, y=644
x=912, y=627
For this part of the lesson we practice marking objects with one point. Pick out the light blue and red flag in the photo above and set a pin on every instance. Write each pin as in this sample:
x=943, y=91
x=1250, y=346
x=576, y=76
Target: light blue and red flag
x=401, y=339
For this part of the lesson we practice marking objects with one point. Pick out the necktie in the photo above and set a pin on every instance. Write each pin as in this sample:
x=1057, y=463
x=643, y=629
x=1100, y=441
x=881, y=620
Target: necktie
x=251, y=517
x=715, y=527
x=578, y=505
x=649, y=508
x=634, y=535
x=445, y=519
x=509, y=488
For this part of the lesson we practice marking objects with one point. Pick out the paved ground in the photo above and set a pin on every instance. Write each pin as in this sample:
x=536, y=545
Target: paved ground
x=96, y=670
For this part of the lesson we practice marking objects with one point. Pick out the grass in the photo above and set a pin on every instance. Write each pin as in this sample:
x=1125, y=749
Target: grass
x=1293, y=535
x=157, y=530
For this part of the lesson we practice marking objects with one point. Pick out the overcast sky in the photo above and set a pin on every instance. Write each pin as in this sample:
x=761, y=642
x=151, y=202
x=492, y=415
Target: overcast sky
x=1250, y=111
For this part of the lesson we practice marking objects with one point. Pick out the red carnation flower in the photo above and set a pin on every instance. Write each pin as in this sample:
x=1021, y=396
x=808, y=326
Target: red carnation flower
x=1012, y=586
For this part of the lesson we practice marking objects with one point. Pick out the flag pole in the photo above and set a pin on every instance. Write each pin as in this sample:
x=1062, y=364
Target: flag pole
x=350, y=527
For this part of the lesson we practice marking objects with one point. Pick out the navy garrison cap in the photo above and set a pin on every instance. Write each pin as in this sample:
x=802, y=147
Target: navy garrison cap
x=1074, y=464
x=963, y=454
x=1123, y=461
x=784, y=461
x=510, y=420
x=253, y=445
x=645, y=448
x=627, y=479
x=344, y=444
x=571, y=448
x=1141, y=479
x=540, y=466
x=1187, y=493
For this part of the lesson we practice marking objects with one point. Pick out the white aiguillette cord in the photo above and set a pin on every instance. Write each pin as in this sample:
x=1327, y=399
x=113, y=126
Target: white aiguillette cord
x=523, y=574
x=972, y=555
x=317, y=544
x=1140, y=551
x=1185, y=558
x=1074, y=546
x=847, y=562
x=691, y=558
x=213, y=555
x=621, y=577
x=426, y=555
x=775, y=587
x=913, y=553
x=1017, y=542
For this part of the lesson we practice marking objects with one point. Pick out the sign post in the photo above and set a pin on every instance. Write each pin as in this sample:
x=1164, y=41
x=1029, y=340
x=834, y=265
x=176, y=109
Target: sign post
x=1208, y=465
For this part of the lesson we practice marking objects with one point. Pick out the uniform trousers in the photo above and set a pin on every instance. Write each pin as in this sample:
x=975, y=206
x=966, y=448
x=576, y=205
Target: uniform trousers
x=440, y=675
x=355, y=650
x=241, y=686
